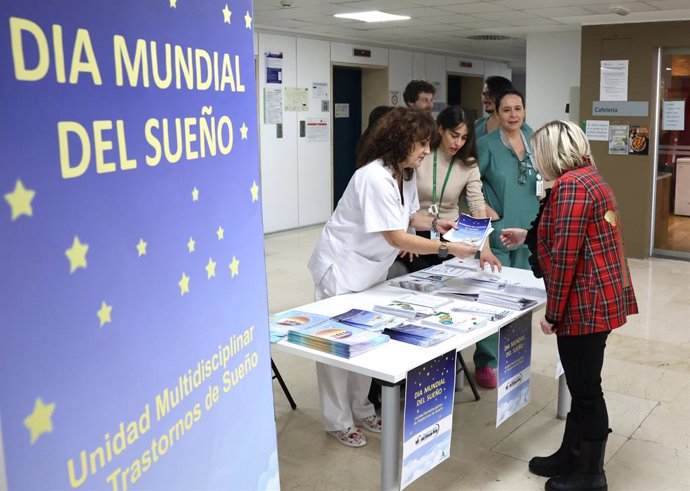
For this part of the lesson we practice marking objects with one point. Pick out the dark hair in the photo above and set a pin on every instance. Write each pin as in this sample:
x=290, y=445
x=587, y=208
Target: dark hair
x=507, y=93
x=393, y=137
x=414, y=88
x=449, y=119
x=497, y=85
x=377, y=113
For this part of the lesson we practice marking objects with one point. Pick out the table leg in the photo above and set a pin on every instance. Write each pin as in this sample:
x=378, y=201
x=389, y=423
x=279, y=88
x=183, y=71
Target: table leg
x=564, y=399
x=390, y=438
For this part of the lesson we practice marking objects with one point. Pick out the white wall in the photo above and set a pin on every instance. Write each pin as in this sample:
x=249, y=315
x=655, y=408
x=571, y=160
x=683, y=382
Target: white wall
x=553, y=67
x=296, y=174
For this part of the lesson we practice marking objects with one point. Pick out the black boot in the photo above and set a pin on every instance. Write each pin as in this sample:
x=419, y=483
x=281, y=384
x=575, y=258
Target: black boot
x=590, y=474
x=566, y=458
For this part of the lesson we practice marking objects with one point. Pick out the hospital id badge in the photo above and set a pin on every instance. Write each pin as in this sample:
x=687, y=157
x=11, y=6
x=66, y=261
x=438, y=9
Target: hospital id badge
x=540, y=185
x=433, y=209
x=434, y=235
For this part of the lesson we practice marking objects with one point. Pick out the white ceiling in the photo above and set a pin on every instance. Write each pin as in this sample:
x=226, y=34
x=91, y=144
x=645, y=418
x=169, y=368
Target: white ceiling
x=443, y=25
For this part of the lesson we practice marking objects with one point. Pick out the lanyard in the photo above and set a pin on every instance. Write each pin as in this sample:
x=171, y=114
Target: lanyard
x=443, y=189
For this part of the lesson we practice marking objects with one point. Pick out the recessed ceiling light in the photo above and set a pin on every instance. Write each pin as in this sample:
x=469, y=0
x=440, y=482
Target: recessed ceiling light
x=373, y=16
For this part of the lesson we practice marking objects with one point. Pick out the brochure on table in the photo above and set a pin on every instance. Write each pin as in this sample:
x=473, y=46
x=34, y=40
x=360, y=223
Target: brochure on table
x=428, y=424
x=134, y=350
x=514, y=357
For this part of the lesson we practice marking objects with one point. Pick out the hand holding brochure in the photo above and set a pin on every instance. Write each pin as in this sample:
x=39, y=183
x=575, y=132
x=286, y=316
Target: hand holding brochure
x=472, y=231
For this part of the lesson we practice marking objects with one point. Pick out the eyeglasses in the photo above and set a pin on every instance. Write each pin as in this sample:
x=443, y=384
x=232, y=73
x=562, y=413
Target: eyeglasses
x=524, y=169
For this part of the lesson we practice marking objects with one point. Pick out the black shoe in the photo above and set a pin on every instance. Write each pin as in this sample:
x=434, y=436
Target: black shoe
x=590, y=474
x=565, y=460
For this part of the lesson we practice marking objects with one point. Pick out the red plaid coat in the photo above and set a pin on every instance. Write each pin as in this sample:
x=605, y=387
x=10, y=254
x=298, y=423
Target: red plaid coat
x=580, y=250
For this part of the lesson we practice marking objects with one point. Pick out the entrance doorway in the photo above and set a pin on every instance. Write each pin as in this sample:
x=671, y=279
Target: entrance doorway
x=672, y=206
x=356, y=91
x=466, y=91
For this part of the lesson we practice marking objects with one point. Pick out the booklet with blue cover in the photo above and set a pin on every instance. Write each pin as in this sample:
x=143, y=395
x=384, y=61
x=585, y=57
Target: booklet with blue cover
x=336, y=338
x=365, y=319
x=472, y=231
x=282, y=322
x=417, y=335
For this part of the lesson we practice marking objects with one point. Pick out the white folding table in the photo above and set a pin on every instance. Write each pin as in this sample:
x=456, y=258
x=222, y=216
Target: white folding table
x=390, y=362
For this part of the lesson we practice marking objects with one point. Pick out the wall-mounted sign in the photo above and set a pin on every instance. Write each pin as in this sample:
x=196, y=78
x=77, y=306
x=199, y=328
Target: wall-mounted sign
x=621, y=108
x=613, y=83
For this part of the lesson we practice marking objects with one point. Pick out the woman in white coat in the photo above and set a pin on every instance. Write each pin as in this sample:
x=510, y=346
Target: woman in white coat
x=362, y=239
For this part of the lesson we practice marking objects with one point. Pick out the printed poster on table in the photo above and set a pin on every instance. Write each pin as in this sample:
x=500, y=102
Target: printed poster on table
x=428, y=425
x=514, y=358
x=134, y=349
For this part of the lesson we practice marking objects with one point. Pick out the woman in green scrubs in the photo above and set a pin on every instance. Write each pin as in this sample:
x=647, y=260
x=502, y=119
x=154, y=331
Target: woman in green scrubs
x=512, y=187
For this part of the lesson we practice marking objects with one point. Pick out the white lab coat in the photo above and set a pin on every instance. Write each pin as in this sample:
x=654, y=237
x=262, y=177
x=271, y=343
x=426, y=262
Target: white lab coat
x=353, y=255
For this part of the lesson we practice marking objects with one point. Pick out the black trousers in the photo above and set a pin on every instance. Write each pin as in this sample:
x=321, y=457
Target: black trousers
x=582, y=358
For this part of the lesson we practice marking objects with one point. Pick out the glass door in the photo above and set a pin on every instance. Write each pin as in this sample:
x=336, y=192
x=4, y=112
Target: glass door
x=672, y=207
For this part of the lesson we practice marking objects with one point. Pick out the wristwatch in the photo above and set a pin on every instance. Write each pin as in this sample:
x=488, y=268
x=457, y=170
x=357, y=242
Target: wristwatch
x=443, y=251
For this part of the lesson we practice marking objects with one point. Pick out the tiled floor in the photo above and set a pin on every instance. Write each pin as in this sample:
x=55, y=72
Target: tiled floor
x=646, y=380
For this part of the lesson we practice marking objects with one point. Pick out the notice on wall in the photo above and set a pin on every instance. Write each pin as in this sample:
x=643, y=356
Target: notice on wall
x=428, y=422
x=319, y=90
x=638, y=140
x=673, y=116
x=514, y=359
x=597, y=130
x=342, y=110
x=296, y=99
x=618, y=139
x=274, y=67
x=395, y=98
x=134, y=340
x=613, y=82
x=273, y=105
x=317, y=130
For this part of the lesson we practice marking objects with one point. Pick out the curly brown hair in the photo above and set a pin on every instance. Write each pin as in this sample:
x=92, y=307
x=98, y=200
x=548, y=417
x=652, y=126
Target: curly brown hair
x=393, y=138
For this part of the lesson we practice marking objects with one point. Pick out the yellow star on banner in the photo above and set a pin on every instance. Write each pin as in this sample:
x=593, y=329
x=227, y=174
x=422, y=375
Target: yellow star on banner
x=141, y=247
x=184, y=284
x=247, y=20
x=20, y=200
x=211, y=268
x=77, y=255
x=104, y=313
x=190, y=245
x=226, y=14
x=39, y=421
x=244, y=130
x=234, y=267
x=173, y=4
x=220, y=233
x=255, y=191
x=195, y=194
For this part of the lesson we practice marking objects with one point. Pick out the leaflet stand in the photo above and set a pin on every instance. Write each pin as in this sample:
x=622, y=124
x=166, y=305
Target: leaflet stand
x=463, y=367
x=286, y=391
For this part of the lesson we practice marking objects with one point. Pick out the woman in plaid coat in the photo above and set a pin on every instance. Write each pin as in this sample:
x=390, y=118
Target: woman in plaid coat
x=578, y=245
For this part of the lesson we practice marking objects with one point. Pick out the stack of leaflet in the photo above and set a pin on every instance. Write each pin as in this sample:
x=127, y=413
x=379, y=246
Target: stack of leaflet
x=529, y=291
x=455, y=322
x=417, y=335
x=404, y=309
x=472, y=231
x=369, y=321
x=281, y=323
x=337, y=339
x=500, y=299
x=417, y=283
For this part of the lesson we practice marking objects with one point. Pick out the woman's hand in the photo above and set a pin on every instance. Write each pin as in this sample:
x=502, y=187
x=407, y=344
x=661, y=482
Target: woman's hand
x=410, y=255
x=487, y=257
x=491, y=213
x=443, y=225
x=546, y=326
x=513, y=237
x=461, y=250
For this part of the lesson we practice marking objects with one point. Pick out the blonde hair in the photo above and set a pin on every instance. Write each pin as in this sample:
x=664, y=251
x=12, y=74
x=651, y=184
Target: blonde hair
x=560, y=146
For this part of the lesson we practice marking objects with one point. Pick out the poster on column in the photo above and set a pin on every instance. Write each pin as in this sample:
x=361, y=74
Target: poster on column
x=514, y=359
x=428, y=422
x=134, y=348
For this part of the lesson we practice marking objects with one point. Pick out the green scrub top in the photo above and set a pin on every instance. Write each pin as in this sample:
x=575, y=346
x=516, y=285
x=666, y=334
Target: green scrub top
x=517, y=204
